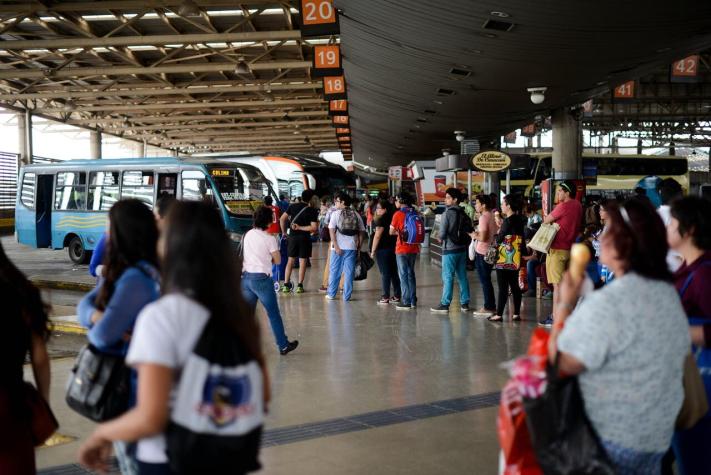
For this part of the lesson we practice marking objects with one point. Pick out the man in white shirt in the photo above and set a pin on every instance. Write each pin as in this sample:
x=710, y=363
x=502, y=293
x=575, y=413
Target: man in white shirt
x=347, y=232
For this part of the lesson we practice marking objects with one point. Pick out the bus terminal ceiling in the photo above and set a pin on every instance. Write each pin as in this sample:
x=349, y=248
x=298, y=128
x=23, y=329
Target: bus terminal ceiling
x=416, y=71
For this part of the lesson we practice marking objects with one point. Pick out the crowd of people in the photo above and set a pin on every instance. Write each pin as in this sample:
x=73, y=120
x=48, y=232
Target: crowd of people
x=168, y=308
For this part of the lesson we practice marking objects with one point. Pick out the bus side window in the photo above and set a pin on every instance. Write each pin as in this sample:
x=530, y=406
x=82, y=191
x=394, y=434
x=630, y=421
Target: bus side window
x=195, y=186
x=70, y=191
x=138, y=184
x=27, y=193
x=103, y=190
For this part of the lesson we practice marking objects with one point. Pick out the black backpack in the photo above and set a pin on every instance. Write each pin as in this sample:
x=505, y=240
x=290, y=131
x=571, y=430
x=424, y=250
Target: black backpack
x=459, y=232
x=216, y=420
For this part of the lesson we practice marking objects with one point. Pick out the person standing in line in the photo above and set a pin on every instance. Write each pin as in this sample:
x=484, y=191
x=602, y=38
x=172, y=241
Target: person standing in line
x=568, y=214
x=484, y=237
x=689, y=234
x=131, y=281
x=200, y=289
x=405, y=253
x=347, y=231
x=260, y=252
x=383, y=251
x=283, y=203
x=511, y=245
x=274, y=230
x=303, y=221
x=326, y=268
x=454, y=253
x=669, y=189
x=26, y=329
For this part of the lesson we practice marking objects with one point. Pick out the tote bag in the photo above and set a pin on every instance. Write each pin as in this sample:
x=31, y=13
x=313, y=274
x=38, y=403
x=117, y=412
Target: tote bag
x=543, y=238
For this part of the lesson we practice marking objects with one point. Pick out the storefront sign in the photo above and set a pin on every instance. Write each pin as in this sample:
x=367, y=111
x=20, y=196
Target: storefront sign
x=491, y=161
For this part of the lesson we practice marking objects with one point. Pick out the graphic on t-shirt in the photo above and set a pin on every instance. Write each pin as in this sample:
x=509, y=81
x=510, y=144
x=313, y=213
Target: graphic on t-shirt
x=224, y=398
x=510, y=253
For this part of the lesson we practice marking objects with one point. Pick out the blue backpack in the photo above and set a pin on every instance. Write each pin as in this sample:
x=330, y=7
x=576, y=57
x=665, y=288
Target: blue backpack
x=414, y=230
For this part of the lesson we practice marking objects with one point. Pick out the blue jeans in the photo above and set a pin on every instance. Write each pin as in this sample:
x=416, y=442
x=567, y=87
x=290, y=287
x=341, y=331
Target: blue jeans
x=261, y=287
x=388, y=272
x=484, y=271
x=408, y=284
x=343, y=264
x=455, y=264
x=531, y=274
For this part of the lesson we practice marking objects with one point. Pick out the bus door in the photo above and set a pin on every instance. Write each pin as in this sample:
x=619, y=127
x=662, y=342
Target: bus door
x=43, y=210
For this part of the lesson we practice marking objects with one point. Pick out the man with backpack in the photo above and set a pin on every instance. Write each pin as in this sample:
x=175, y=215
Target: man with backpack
x=454, y=234
x=346, y=228
x=408, y=226
x=298, y=222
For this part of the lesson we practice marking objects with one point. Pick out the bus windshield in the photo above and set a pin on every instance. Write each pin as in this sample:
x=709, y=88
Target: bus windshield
x=241, y=189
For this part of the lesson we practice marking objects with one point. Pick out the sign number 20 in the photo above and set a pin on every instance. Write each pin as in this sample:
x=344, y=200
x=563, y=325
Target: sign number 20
x=318, y=11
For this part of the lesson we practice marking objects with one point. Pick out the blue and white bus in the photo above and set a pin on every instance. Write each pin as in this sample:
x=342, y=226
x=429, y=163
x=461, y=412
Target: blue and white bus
x=66, y=204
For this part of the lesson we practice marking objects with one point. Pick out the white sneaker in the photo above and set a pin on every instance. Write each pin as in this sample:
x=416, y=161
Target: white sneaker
x=482, y=312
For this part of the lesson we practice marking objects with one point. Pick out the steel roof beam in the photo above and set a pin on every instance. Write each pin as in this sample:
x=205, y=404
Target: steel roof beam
x=202, y=117
x=37, y=7
x=189, y=105
x=150, y=40
x=161, y=91
x=126, y=70
x=236, y=126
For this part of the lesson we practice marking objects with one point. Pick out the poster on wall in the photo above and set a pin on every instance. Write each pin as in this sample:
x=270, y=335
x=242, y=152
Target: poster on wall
x=432, y=188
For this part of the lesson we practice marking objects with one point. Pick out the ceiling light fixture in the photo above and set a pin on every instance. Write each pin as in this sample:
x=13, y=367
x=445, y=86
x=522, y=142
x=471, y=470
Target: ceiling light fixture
x=459, y=134
x=538, y=94
x=189, y=8
x=500, y=14
x=242, y=66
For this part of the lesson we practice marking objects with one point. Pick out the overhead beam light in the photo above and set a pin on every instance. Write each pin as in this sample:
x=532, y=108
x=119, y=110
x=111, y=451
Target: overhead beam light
x=242, y=66
x=538, y=94
x=189, y=8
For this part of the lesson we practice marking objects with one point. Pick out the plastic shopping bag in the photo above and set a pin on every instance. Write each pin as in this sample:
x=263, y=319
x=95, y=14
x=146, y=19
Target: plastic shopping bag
x=560, y=433
x=472, y=250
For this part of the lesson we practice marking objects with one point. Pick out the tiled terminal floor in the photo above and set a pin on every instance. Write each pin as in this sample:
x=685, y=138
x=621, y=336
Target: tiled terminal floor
x=370, y=389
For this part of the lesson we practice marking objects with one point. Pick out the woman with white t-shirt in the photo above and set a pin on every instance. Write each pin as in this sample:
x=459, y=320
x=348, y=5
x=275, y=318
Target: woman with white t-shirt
x=260, y=250
x=201, y=284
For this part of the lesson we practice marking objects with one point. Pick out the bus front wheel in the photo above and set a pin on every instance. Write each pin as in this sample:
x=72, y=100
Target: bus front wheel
x=77, y=253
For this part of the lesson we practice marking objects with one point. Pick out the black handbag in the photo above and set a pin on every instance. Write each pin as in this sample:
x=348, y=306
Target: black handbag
x=562, y=436
x=99, y=385
x=366, y=260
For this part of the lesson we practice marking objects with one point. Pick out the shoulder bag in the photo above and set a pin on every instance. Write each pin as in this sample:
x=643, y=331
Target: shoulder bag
x=99, y=385
x=42, y=421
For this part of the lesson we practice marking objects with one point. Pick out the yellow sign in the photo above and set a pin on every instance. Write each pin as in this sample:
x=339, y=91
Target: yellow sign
x=217, y=172
x=491, y=161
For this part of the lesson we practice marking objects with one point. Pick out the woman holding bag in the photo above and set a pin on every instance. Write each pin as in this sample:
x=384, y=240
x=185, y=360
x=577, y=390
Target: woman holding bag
x=131, y=281
x=689, y=233
x=510, y=242
x=26, y=330
x=627, y=342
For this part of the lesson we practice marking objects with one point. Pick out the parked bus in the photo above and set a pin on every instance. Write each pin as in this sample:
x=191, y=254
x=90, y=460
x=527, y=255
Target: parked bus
x=66, y=204
x=606, y=174
x=287, y=176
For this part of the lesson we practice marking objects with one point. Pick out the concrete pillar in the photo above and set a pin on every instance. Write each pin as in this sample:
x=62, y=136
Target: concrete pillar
x=567, y=136
x=639, y=146
x=672, y=149
x=613, y=145
x=24, y=132
x=144, y=149
x=95, y=144
x=538, y=142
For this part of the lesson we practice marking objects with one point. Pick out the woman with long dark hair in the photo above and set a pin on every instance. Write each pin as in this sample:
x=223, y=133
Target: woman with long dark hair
x=25, y=329
x=201, y=286
x=511, y=245
x=627, y=341
x=383, y=250
x=131, y=281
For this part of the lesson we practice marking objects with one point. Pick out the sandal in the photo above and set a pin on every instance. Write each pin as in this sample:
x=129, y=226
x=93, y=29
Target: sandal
x=495, y=318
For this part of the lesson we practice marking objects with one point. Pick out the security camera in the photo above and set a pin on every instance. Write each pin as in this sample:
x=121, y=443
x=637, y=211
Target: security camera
x=459, y=134
x=445, y=152
x=538, y=94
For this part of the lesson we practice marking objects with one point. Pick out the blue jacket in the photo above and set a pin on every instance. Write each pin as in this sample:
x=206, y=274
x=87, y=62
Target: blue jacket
x=98, y=255
x=137, y=287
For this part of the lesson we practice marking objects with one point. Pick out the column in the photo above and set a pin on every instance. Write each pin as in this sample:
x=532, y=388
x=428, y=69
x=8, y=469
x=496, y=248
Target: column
x=24, y=131
x=639, y=146
x=144, y=149
x=95, y=144
x=566, y=144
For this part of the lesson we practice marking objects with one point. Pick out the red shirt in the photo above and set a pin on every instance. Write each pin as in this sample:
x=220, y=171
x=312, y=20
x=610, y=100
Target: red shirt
x=274, y=227
x=398, y=223
x=568, y=215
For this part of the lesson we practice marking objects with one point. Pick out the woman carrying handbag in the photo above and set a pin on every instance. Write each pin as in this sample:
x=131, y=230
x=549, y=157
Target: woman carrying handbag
x=131, y=282
x=26, y=330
